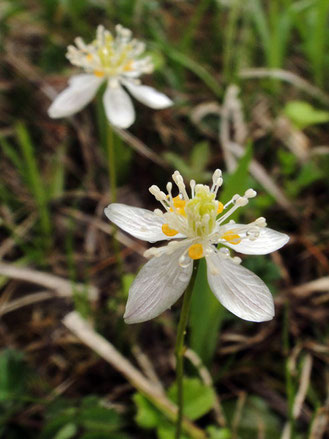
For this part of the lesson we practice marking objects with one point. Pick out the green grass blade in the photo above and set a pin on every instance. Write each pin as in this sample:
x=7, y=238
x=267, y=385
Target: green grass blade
x=237, y=182
x=319, y=40
x=195, y=68
x=34, y=181
x=192, y=27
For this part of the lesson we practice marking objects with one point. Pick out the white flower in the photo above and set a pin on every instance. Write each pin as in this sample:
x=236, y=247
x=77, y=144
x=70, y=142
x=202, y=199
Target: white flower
x=117, y=61
x=197, y=224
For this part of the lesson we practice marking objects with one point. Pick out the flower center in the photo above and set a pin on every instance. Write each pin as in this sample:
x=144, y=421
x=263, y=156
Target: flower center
x=201, y=211
x=109, y=55
x=114, y=55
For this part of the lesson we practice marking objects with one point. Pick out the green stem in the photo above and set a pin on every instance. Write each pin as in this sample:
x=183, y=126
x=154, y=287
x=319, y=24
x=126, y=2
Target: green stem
x=111, y=163
x=179, y=348
x=113, y=188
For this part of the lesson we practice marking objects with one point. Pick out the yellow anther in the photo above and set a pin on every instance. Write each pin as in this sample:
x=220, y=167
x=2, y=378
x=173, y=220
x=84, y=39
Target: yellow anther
x=128, y=67
x=231, y=237
x=89, y=57
x=179, y=202
x=179, y=205
x=195, y=251
x=168, y=231
x=98, y=73
x=220, y=208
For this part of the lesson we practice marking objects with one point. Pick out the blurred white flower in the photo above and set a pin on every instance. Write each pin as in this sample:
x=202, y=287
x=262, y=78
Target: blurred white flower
x=197, y=225
x=116, y=60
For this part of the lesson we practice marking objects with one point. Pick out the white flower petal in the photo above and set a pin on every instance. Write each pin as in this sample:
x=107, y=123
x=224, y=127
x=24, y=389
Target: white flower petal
x=140, y=223
x=118, y=107
x=81, y=90
x=148, y=96
x=268, y=241
x=239, y=289
x=158, y=285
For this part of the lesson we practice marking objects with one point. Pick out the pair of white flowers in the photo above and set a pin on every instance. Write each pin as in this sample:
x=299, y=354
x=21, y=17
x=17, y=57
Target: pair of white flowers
x=117, y=61
x=195, y=225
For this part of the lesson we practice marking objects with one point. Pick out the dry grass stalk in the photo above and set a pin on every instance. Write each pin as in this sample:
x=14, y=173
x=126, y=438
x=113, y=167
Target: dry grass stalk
x=106, y=350
x=321, y=420
x=19, y=231
x=286, y=76
x=146, y=366
x=301, y=393
x=207, y=380
x=321, y=284
x=228, y=109
x=62, y=286
x=106, y=228
x=141, y=148
x=25, y=301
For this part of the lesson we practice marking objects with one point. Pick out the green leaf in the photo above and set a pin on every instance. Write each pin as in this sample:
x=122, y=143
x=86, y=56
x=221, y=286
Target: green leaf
x=308, y=174
x=127, y=280
x=198, y=398
x=237, y=182
x=99, y=418
x=218, y=433
x=68, y=431
x=167, y=431
x=302, y=114
x=147, y=415
x=207, y=314
x=90, y=417
x=195, y=168
x=103, y=435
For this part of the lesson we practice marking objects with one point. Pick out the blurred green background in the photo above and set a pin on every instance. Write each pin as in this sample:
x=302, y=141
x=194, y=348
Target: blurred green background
x=250, y=84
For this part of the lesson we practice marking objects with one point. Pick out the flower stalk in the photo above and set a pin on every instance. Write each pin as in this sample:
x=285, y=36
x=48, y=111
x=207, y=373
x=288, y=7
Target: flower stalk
x=110, y=153
x=180, y=348
x=111, y=162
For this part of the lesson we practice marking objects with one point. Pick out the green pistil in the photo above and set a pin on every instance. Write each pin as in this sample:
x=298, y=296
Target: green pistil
x=202, y=204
